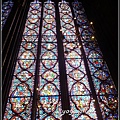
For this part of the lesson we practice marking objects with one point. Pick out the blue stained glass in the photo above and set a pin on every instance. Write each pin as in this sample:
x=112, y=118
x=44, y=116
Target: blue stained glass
x=81, y=100
x=21, y=91
x=103, y=83
x=6, y=9
x=49, y=106
x=49, y=103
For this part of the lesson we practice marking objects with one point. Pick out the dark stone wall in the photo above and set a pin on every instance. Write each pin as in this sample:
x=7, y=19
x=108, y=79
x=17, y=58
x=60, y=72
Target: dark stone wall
x=104, y=14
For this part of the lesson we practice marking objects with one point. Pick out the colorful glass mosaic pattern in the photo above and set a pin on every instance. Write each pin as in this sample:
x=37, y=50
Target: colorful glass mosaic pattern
x=49, y=87
x=21, y=92
x=6, y=9
x=49, y=105
x=81, y=100
x=103, y=83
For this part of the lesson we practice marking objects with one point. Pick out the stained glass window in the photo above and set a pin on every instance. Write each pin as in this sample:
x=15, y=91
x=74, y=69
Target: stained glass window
x=21, y=91
x=103, y=83
x=6, y=8
x=80, y=50
x=49, y=104
x=81, y=100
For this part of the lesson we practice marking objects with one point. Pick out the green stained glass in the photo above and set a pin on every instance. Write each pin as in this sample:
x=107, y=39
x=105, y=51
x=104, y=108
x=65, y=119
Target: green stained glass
x=64, y=16
x=18, y=105
x=49, y=89
x=49, y=75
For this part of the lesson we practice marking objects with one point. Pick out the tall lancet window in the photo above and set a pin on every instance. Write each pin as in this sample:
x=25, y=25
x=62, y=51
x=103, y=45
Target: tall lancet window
x=21, y=92
x=80, y=94
x=49, y=104
x=6, y=8
x=103, y=83
x=36, y=90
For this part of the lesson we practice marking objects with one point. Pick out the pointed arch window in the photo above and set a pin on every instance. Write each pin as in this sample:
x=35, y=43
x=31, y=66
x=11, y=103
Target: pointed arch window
x=81, y=98
x=37, y=75
x=21, y=92
x=49, y=104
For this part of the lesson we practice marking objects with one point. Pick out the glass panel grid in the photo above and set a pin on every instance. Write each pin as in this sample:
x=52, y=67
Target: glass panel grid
x=21, y=92
x=49, y=104
x=103, y=83
x=49, y=95
x=81, y=100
